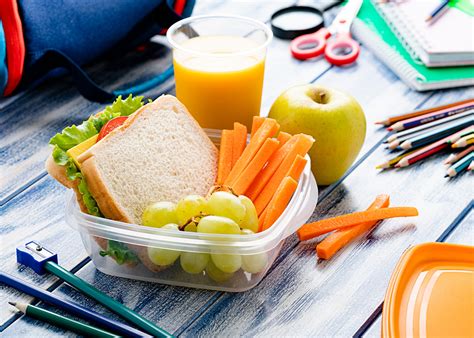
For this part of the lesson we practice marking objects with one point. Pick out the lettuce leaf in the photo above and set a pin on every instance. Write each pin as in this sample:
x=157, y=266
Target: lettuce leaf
x=120, y=252
x=73, y=135
x=120, y=107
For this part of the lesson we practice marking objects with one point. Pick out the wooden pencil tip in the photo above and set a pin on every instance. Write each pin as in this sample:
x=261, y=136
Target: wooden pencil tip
x=390, y=129
x=12, y=303
x=405, y=145
x=446, y=175
x=428, y=19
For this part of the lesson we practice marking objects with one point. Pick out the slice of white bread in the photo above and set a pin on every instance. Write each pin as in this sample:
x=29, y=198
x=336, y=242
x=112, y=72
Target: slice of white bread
x=159, y=154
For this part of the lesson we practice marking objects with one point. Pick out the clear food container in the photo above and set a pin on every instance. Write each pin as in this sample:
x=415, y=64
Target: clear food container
x=194, y=252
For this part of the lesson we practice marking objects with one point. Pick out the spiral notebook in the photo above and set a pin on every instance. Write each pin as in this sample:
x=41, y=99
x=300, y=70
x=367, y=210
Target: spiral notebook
x=448, y=41
x=374, y=33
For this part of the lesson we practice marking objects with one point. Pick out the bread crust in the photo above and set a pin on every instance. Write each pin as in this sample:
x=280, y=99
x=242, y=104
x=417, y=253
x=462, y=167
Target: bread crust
x=107, y=205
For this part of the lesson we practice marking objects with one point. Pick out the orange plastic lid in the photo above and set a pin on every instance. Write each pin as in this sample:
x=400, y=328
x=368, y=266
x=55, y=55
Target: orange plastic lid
x=431, y=293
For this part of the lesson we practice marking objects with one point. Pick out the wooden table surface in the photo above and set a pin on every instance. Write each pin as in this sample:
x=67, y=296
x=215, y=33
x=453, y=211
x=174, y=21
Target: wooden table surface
x=300, y=295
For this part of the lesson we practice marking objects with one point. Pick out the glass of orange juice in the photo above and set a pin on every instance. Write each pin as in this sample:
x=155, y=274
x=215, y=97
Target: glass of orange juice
x=219, y=63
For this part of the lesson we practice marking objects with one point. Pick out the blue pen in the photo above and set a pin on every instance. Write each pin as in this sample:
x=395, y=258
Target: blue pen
x=70, y=306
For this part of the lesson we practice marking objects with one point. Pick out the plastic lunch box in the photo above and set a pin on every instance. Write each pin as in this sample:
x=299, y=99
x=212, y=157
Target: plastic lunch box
x=268, y=242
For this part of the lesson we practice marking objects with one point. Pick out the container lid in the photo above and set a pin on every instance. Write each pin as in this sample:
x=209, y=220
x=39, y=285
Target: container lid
x=431, y=293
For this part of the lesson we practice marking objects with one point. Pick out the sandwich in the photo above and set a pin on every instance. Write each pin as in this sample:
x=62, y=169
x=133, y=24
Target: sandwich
x=130, y=155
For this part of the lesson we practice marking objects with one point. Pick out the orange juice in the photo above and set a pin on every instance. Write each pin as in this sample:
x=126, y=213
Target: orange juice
x=219, y=79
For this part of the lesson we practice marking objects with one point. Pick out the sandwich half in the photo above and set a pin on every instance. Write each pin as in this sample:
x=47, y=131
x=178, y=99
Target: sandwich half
x=158, y=154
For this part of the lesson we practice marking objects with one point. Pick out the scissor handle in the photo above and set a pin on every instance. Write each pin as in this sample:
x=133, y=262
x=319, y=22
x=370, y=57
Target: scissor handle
x=342, y=41
x=318, y=39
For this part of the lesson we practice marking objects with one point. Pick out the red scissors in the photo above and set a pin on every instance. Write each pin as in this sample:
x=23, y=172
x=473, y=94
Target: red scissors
x=340, y=50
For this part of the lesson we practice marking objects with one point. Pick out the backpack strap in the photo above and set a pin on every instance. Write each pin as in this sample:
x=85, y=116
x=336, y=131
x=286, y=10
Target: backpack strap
x=51, y=59
x=3, y=60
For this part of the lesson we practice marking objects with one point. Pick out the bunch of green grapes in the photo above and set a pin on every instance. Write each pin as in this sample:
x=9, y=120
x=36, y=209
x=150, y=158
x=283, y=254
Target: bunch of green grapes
x=221, y=213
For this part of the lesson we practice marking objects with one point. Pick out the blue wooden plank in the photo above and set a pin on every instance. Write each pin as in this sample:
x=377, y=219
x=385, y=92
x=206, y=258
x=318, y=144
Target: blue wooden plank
x=304, y=296
x=387, y=91
x=167, y=306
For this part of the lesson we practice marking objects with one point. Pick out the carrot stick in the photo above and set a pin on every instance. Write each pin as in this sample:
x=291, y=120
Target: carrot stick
x=225, y=156
x=279, y=201
x=261, y=220
x=283, y=137
x=297, y=167
x=301, y=147
x=273, y=163
x=256, y=123
x=255, y=166
x=240, y=141
x=338, y=239
x=314, y=229
x=267, y=130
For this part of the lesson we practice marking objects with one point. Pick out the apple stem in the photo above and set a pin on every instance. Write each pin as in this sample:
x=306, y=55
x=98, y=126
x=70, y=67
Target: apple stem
x=321, y=96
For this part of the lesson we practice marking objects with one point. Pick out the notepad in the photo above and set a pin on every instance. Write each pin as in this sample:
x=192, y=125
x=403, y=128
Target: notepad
x=370, y=29
x=447, y=41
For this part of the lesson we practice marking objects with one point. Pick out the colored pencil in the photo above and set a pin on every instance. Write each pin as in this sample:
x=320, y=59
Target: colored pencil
x=70, y=306
x=433, y=124
x=106, y=300
x=423, y=119
x=464, y=141
x=456, y=157
x=459, y=166
x=61, y=321
x=391, y=163
x=394, y=119
x=438, y=10
x=436, y=134
x=462, y=133
x=424, y=152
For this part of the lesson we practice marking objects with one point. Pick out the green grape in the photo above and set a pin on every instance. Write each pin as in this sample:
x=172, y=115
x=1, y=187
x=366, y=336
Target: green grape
x=164, y=257
x=194, y=262
x=251, y=218
x=254, y=263
x=225, y=204
x=215, y=274
x=189, y=207
x=218, y=225
x=159, y=214
x=227, y=262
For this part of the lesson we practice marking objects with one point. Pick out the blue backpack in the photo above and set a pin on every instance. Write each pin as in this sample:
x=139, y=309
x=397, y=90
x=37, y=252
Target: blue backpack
x=38, y=36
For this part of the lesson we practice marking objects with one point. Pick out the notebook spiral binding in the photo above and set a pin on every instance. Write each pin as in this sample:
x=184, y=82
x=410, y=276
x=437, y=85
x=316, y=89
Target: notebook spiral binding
x=399, y=27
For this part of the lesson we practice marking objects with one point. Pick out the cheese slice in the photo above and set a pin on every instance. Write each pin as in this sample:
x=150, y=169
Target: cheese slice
x=74, y=152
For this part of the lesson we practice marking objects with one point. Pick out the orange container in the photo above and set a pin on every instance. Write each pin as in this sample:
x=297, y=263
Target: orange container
x=431, y=293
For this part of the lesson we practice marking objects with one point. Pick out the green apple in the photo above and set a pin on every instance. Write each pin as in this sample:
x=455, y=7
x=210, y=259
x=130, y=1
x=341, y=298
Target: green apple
x=334, y=118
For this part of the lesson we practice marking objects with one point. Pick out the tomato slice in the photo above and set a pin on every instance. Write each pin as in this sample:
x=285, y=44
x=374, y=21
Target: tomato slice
x=111, y=125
